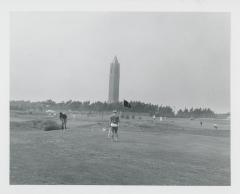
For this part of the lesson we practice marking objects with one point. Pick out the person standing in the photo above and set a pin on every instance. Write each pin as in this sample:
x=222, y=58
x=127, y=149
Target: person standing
x=114, y=124
x=63, y=118
x=154, y=117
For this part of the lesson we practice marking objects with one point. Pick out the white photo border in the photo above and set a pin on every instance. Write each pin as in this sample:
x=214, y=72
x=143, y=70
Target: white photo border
x=6, y=7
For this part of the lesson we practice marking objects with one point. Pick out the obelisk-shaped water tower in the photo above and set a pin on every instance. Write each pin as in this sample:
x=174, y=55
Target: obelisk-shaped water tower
x=113, y=93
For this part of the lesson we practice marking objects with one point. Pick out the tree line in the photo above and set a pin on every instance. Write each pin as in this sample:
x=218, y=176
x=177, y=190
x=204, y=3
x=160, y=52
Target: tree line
x=195, y=113
x=136, y=106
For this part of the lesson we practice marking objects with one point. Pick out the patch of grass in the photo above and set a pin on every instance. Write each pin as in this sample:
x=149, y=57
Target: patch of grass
x=145, y=126
x=147, y=153
x=36, y=123
x=46, y=125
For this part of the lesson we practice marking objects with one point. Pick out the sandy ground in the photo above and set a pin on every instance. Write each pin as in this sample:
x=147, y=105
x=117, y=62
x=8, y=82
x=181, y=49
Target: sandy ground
x=171, y=152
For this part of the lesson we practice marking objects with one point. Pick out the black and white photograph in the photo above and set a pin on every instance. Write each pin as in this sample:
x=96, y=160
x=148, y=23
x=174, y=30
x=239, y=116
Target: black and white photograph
x=120, y=98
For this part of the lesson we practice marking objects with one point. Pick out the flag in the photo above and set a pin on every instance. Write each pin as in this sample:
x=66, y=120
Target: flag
x=126, y=104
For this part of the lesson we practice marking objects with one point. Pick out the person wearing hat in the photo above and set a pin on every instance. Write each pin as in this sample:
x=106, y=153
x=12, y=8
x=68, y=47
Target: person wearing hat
x=114, y=124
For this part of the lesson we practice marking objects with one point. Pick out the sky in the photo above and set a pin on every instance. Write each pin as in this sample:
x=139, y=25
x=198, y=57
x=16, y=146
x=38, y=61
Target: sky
x=176, y=59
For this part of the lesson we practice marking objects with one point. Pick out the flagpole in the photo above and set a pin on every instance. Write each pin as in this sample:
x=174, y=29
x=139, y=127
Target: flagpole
x=127, y=104
x=123, y=109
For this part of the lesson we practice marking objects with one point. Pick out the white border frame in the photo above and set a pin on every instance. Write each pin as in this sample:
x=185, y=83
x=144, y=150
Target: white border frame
x=231, y=6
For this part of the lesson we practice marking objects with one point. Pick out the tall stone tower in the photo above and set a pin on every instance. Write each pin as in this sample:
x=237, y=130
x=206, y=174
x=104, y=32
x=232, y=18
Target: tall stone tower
x=113, y=93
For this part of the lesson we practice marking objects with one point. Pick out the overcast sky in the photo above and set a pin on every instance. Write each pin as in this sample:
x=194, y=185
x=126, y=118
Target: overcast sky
x=177, y=59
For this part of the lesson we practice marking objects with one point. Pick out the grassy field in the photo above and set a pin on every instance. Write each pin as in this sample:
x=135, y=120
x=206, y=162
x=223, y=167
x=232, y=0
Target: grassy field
x=171, y=152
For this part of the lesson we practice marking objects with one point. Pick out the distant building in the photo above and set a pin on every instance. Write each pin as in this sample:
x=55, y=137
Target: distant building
x=51, y=112
x=113, y=93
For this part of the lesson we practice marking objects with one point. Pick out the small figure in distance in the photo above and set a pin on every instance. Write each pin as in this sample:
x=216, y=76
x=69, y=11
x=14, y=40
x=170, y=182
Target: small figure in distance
x=215, y=126
x=201, y=123
x=114, y=124
x=63, y=118
x=154, y=117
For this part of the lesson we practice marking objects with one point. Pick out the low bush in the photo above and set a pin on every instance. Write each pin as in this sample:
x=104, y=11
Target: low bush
x=50, y=125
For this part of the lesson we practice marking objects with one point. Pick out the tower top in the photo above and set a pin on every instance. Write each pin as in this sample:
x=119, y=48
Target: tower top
x=115, y=60
x=113, y=92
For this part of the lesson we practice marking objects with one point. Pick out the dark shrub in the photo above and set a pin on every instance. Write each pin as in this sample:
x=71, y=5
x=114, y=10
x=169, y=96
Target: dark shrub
x=50, y=125
x=127, y=117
